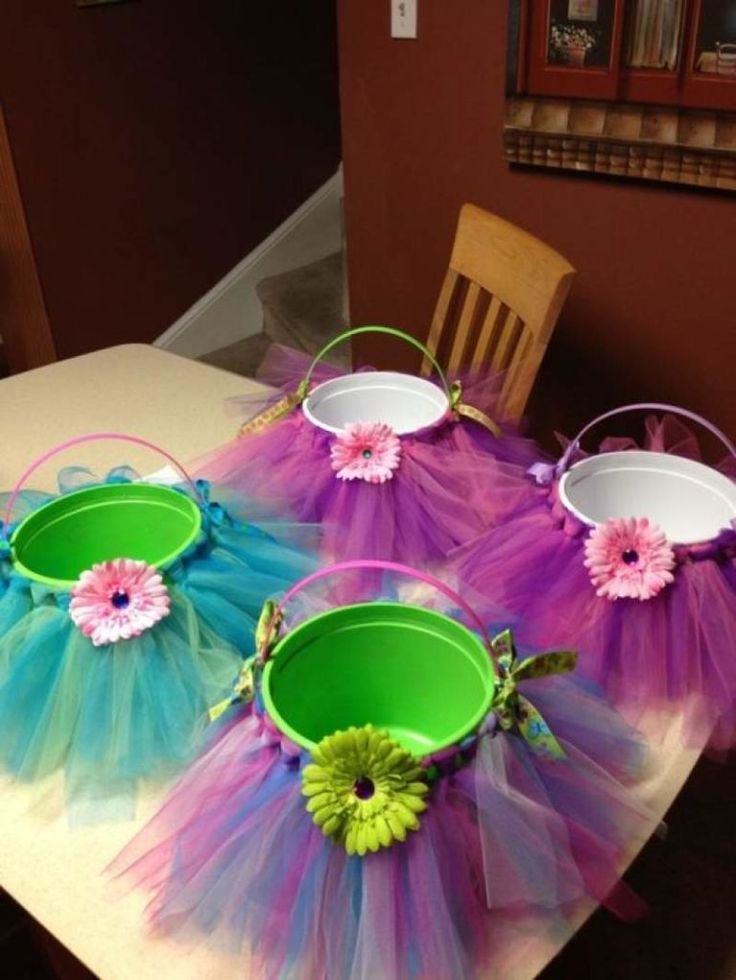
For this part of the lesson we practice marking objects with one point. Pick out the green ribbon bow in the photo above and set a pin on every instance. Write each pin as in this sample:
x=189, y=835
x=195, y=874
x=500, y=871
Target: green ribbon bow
x=244, y=688
x=267, y=628
x=511, y=707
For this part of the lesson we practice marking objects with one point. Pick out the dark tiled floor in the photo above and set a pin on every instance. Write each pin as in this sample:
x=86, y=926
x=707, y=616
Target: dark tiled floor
x=689, y=882
x=28, y=952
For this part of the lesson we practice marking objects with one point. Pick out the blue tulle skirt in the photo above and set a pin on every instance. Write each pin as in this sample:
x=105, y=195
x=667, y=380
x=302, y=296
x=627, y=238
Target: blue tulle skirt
x=109, y=716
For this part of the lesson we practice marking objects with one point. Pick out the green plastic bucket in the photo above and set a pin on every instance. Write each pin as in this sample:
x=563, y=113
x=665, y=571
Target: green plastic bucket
x=56, y=543
x=71, y=533
x=416, y=673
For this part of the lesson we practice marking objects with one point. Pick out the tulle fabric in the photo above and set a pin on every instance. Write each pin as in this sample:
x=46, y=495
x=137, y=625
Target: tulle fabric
x=670, y=654
x=482, y=391
x=283, y=368
x=106, y=716
x=112, y=715
x=451, y=483
x=233, y=855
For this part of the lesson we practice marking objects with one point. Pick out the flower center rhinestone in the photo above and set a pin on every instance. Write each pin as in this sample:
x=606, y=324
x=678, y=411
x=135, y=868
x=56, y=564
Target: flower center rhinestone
x=120, y=599
x=367, y=453
x=364, y=788
x=630, y=557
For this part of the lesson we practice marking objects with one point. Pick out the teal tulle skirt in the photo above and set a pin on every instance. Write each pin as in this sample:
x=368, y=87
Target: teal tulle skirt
x=108, y=716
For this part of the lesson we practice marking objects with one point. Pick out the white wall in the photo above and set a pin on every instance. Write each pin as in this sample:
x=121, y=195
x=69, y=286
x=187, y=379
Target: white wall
x=231, y=310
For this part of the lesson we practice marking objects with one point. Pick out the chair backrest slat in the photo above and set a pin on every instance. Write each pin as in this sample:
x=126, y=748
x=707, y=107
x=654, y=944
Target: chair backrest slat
x=464, y=328
x=509, y=341
x=439, y=318
x=490, y=333
x=499, y=303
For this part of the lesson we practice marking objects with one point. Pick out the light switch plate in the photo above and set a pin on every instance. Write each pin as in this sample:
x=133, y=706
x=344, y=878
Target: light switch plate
x=404, y=18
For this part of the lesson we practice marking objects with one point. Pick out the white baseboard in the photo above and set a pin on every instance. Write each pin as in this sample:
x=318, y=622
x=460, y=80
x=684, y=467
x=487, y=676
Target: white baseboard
x=231, y=310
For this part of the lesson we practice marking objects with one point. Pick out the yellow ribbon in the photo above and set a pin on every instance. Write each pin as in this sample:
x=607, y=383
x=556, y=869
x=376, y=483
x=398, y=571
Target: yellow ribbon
x=275, y=412
x=462, y=410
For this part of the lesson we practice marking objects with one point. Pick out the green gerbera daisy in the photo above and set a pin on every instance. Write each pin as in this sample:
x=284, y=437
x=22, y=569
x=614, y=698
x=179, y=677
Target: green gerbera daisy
x=364, y=789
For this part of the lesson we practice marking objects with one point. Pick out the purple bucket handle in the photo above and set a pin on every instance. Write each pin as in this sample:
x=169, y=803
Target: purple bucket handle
x=544, y=473
x=373, y=563
x=90, y=437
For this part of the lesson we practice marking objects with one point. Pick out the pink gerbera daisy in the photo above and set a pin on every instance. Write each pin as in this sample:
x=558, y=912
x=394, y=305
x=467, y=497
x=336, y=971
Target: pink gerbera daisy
x=367, y=451
x=118, y=599
x=629, y=558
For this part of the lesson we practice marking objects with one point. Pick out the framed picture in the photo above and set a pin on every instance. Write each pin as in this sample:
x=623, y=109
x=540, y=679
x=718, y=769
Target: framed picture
x=582, y=10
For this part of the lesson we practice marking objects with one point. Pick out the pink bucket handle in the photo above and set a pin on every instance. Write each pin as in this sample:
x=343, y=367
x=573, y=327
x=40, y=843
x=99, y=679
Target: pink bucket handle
x=573, y=447
x=373, y=563
x=90, y=437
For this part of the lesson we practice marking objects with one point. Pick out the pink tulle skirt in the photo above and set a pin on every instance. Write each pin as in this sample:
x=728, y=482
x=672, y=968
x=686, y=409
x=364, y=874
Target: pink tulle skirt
x=671, y=653
x=453, y=481
x=234, y=855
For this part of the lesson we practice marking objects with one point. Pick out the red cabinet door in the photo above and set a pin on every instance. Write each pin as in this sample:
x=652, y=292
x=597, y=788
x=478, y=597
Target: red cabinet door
x=710, y=70
x=574, y=47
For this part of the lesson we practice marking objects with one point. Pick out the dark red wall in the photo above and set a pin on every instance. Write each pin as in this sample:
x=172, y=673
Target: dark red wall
x=652, y=313
x=157, y=142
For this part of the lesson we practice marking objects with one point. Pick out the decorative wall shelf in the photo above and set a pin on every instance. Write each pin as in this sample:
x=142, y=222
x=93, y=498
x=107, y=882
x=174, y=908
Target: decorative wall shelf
x=635, y=102
x=665, y=144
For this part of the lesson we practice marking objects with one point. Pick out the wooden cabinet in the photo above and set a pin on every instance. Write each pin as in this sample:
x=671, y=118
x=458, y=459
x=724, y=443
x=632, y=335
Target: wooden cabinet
x=572, y=56
x=666, y=52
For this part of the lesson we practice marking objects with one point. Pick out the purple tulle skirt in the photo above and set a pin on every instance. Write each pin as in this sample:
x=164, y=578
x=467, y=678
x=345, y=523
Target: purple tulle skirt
x=234, y=855
x=453, y=481
x=671, y=653
x=283, y=368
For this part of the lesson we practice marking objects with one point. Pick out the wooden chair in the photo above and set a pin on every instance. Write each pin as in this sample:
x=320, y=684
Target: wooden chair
x=499, y=304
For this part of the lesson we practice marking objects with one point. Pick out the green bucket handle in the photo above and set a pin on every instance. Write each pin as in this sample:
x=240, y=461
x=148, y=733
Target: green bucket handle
x=295, y=398
x=370, y=563
x=89, y=437
x=390, y=331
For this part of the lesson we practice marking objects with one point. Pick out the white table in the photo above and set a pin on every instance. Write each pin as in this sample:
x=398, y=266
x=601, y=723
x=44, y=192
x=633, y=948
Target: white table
x=56, y=873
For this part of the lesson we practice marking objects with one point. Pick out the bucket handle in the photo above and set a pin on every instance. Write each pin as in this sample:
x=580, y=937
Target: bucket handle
x=89, y=437
x=370, y=563
x=574, y=446
x=453, y=392
x=391, y=331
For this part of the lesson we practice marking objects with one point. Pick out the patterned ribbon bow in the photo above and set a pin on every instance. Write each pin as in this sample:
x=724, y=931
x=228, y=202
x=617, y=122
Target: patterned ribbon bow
x=244, y=688
x=277, y=411
x=460, y=409
x=515, y=711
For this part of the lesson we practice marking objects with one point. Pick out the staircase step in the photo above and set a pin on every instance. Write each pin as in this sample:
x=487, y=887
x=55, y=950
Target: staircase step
x=303, y=308
x=243, y=357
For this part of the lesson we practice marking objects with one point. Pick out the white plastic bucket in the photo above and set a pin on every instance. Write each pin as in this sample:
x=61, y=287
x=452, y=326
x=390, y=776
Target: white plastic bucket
x=404, y=402
x=689, y=501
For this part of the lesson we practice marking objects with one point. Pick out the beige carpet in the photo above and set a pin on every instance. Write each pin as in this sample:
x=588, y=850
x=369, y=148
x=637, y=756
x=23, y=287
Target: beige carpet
x=243, y=357
x=302, y=308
